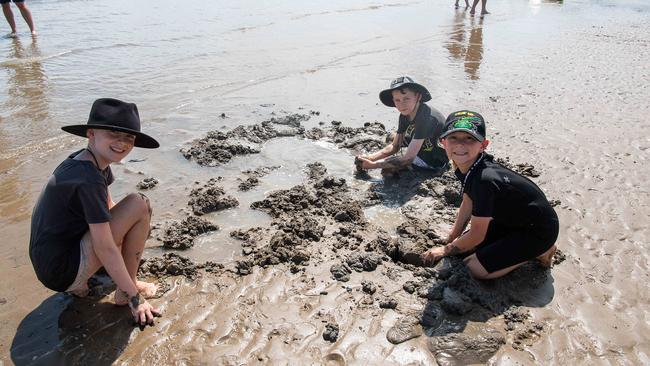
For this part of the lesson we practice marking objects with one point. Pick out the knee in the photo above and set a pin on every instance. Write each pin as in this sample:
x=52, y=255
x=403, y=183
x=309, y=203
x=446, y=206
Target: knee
x=141, y=203
x=6, y=7
x=21, y=6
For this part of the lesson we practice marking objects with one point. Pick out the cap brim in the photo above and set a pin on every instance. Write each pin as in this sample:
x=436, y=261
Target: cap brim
x=141, y=140
x=478, y=137
x=386, y=96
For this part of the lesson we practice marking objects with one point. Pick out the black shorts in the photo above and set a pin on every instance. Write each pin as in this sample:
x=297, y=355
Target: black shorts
x=7, y=1
x=504, y=247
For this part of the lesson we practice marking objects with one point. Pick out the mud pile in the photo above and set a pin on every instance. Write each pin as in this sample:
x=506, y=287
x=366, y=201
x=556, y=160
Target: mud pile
x=210, y=197
x=252, y=177
x=371, y=137
x=181, y=234
x=218, y=147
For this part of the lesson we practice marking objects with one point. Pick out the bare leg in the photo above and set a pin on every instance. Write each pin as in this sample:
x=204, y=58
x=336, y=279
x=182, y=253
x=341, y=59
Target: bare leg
x=466, y=3
x=134, y=214
x=9, y=15
x=473, y=10
x=546, y=259
x=479, y=272
x=483, y=8
x=27, y=15
x=130, y=228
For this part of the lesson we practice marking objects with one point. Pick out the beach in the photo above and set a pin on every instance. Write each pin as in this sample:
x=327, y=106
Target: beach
x=292, y=257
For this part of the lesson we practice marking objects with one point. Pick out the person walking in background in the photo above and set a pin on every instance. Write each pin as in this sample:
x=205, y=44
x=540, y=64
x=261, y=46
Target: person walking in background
x=458, y=6
x=483, y=9
x=9, y=15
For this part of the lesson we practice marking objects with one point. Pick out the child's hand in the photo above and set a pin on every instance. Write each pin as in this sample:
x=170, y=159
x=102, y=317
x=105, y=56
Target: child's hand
x=433, y=255
x=363, y=163
x=143, y=312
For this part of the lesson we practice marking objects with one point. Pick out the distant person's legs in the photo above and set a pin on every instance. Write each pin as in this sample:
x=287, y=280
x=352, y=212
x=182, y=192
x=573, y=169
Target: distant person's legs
x=466, y=4
x=483, y=9
x=9, y=15
x=27, y=15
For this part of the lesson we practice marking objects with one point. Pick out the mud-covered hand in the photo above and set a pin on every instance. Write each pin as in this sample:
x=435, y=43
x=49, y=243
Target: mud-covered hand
x=364, y=163
x=143, y=312
x=433, y=255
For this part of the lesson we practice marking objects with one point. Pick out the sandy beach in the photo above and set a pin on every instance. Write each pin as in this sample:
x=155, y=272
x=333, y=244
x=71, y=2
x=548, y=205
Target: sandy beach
x=268, y=247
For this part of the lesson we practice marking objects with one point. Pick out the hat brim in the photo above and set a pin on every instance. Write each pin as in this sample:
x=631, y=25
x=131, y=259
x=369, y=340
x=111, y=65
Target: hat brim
x=141, y=140
x=386, y=96
x=475, y=135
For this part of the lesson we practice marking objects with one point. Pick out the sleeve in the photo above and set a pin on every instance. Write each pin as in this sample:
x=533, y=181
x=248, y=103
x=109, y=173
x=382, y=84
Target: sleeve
x=483, y=195
x=93, y=198
x=402, y=124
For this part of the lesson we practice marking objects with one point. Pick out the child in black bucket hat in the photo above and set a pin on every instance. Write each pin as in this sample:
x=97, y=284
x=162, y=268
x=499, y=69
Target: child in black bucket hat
x=511, y=221
x=77, y=228
x=419, y=129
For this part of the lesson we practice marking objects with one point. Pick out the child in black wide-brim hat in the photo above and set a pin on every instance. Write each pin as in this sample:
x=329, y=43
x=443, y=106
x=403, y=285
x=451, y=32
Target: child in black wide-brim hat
x=77, y=228
x=419, y=128
x=511, y=221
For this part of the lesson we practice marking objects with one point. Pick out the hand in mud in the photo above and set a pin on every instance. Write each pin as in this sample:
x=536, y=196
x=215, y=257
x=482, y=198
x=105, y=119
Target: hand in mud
x=358, y=163
x=433, y=255
x=144, y=314
x=363, y=163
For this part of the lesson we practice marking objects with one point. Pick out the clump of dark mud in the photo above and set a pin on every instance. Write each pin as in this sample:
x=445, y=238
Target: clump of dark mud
x=525, y=169
x=252, y=177
x=170, y=264
x=331, y=332
x=181, y=235
x=218, y=147
x=210, y=197
x=147, y=183
x=371, y=137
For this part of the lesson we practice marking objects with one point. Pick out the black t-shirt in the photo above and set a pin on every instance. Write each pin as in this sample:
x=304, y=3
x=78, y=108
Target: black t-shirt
x=512, y=200
x=75, y=195
x=427, y=125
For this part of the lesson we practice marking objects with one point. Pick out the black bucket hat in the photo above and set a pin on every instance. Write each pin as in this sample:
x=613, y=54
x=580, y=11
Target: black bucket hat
x=386, y=96
x=465, y=121
x=115, y=115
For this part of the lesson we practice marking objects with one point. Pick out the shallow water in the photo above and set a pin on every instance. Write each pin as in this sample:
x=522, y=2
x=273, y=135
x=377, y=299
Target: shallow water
x=564, y=86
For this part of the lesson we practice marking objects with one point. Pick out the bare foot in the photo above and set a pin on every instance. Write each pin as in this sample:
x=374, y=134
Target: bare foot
x=485, y=12
x=146, y=289
x=546, y=259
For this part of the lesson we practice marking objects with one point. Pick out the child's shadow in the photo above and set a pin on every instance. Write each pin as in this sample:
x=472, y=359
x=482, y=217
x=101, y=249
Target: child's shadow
x=65, y=330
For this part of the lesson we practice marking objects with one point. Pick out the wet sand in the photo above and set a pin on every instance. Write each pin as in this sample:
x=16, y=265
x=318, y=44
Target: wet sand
x=314, y=264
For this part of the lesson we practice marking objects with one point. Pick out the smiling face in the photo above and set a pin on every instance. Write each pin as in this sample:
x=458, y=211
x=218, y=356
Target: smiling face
x=463, y=149
x=406, y=100
x=110, y=146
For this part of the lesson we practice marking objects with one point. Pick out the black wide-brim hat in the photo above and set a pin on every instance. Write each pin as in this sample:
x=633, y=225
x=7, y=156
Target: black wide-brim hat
x=386, y=96
x=115, y=115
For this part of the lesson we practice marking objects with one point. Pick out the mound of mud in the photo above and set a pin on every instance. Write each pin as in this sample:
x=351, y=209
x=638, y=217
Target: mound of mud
x=210, y=197
x=371, y=137
x=181, y=234
x=252, y=177
x=218, y=147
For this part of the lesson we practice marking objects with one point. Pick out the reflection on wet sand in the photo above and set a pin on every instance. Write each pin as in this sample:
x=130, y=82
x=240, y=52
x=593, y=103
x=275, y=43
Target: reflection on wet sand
x=28, y=107
x=27, y=82
x=469, y=51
